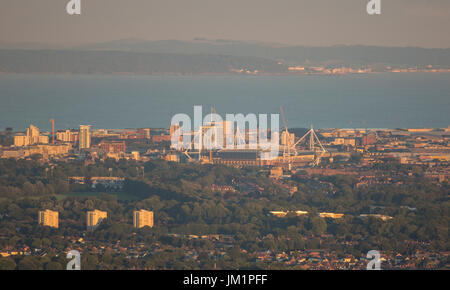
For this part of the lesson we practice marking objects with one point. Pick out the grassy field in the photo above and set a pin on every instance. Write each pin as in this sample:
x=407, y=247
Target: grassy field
x=120, y=195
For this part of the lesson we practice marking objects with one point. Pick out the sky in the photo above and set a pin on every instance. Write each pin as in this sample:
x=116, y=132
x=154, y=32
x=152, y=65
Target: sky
x=423, y=23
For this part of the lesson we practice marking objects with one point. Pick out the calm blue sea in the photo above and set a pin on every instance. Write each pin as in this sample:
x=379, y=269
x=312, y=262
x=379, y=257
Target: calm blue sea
x=352, y=101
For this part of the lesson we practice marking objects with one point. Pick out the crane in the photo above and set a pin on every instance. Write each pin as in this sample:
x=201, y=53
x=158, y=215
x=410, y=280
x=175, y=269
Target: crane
x=286, y=141
x=52, y=121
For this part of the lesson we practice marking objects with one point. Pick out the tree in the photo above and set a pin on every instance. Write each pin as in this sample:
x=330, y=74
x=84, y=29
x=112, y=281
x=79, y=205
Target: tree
x=89, y=262
x=30, y=263
x=53, y=266
x=318, y=226
x=7, y=264
x=29, y=188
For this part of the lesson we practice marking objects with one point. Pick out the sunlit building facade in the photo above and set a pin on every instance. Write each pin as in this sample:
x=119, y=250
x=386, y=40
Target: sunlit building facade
x=94, y=218
x=142, y=218
x=48, y=218
x=85, y=137
x=31, y=137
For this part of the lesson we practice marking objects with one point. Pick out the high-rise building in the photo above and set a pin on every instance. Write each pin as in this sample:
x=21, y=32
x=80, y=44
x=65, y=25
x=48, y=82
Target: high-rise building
x=94, y=218
x=48, y=218
x=32, y=136
x=85, y=137
x=33, y=133
x=142, y=218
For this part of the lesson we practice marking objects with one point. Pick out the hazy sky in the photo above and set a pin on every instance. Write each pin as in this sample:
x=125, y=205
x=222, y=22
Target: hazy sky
x=423, y=23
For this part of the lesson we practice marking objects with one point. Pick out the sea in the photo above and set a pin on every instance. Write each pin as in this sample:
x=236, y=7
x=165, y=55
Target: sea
x=387, y=100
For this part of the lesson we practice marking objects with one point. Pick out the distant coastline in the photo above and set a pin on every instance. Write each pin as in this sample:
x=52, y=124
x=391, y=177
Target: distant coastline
x=232, y=73
x=217, y=58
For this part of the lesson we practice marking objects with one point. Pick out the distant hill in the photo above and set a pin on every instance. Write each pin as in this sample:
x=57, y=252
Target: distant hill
x=208, y=56
x=299, y=55
x=108, y=62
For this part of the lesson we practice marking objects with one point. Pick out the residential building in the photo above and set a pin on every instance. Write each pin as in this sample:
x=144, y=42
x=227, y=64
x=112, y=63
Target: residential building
x=142, y=218
x=48, y=218
x=67, y=136
x=85, y=137
x=32, y=136
x=94, y=218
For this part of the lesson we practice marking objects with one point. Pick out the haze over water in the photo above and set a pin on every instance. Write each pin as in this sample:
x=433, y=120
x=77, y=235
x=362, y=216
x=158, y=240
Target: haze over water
x=108, y=101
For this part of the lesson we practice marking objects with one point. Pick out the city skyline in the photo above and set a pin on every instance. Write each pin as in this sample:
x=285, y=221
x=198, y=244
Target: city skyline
x=244, y=136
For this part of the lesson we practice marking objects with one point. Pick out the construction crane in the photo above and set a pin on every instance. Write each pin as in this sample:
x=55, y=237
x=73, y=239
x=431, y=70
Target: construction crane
x=213, y=111
x=52, y=121
x=286, y=141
